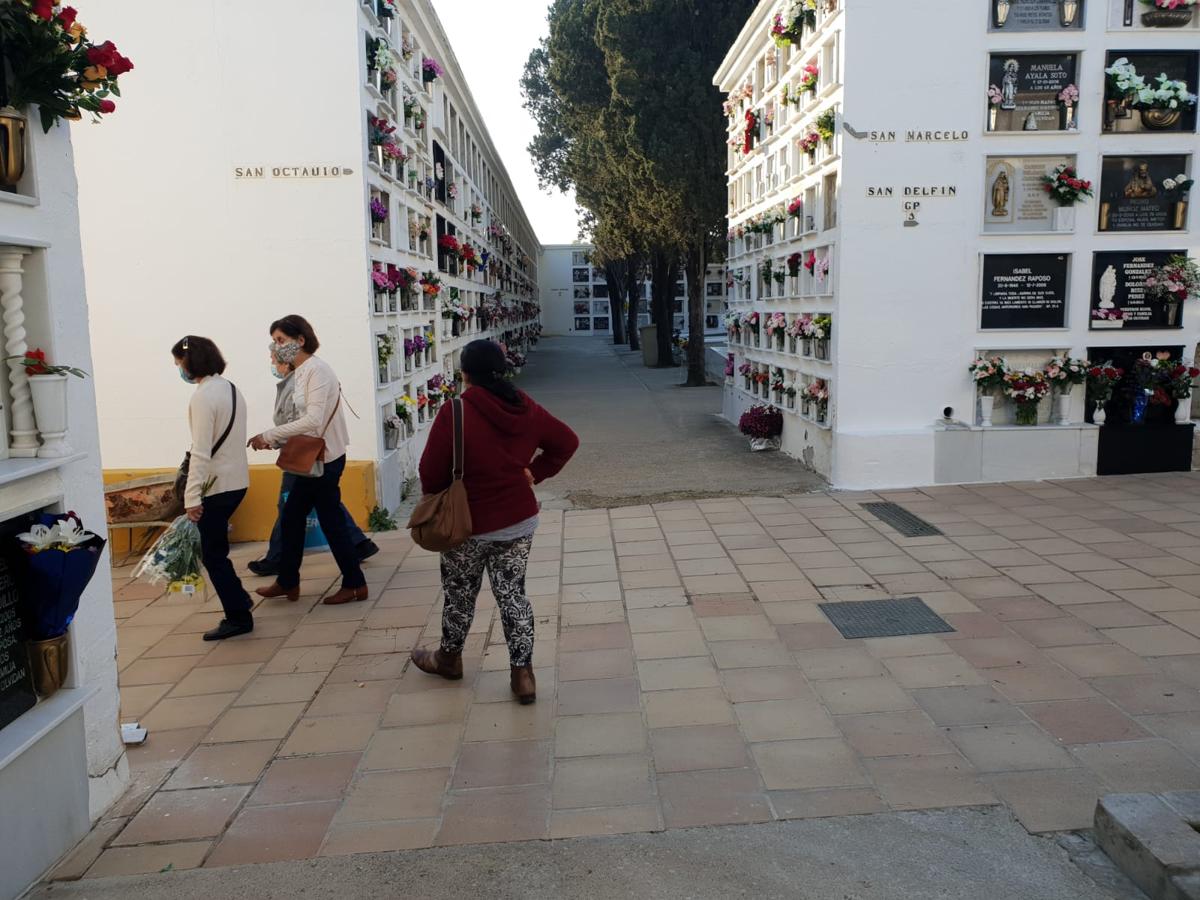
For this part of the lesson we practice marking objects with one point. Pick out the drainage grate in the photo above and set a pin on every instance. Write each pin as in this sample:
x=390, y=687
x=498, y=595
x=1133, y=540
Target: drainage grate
x=884, y=618
x=901, y=519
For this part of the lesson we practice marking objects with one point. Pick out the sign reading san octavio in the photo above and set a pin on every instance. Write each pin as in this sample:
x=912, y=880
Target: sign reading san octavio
x=292, y=173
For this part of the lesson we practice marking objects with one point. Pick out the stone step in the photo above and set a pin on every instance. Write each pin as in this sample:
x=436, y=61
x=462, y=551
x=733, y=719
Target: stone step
x=1154, y=839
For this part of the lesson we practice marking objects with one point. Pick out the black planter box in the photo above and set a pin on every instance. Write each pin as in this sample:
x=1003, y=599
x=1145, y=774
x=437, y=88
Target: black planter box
x=1132, y=449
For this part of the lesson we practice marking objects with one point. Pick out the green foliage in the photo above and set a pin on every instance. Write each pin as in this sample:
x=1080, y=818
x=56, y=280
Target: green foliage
x=381, y=520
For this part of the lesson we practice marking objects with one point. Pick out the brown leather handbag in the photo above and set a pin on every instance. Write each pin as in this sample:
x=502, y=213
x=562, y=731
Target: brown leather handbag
x=301, y=454
x=442, y=521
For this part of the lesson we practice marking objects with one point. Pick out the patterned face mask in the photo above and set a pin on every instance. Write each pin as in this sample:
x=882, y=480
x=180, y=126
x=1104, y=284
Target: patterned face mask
x=286, y=353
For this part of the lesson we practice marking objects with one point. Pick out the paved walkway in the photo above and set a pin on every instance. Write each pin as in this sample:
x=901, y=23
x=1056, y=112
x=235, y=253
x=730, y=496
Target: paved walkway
x=687, y=677
x=643, y=437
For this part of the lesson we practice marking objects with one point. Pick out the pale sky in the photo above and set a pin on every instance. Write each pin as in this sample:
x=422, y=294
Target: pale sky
x=492, y=41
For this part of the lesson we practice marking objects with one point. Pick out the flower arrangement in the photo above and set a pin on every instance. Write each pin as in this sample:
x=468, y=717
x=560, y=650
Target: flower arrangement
x=476, y=212
x=1180, y=380
x=1063, y=372
x=1124, y=83
x=449, y=243
x=761, y=423
x=379, y=131
x=777, y=381
x=52, y=63
x=1069, y=95
x=452, y=190
x=383, y=59
x=795, y=208
x=174, y=558
x=750, y=133
x=994, y=95
x=817, y=395
x=431, y=70
x=35, y=363
x=379, y=280
x=431, y=285
x=379, y=210
x=1108, y=315
x=793, y=264
x=1171, y=4
x=729, y=365
x=810, y=262
x=385, y=348
x=988, y=374
x=810, y=77
x=780, y=277
x=821, y=328
x=788, y=26
x=744, y=370
x=810, y=142
x=407, y=47
x=1065, y=187
x=825, y=124
x=751, y=320
x=766, y=271
x=801, y=326
x=1025, y=388
x=821, y=269
x=1181, y=183
x=1101, y=380
x=776, y=325
x=733, y=324
x=386, y=9
x=1174, y=282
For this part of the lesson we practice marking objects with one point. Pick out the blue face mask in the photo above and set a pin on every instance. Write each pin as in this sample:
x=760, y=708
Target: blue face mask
x=277, y=373
x=185, y=376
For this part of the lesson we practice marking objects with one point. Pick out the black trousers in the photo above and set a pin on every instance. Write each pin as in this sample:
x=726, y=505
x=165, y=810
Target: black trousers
x=324, y=494
x=214, y=553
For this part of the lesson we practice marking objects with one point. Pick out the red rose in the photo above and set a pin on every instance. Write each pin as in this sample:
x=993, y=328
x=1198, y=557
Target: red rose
x=107, y=55
x=43, y=9
x=107, y=106
x=38, y=358
x=66, y=18
x=120, y=65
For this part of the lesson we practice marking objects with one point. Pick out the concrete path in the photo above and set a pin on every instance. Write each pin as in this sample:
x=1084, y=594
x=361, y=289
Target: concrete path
x=644, y=438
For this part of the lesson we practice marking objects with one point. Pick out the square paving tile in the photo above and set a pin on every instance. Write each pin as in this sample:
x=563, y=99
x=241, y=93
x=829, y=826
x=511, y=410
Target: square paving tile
x=413, y=747
x=783, y=720
x=603, y=695
x=1146, y=695
x=602, y=781
x=695, y=706
x=847, y=662
x=1061, y=800
x=725, y=797
x=1085, y=721
x=779, y=683
x=249, y=723
x=976, y=705
x=384, y=796
x=817, y=763
x=1098, y=660
x=569, y=823
x=187, y=712
x=213, y=679
x=217, y=765
x=504, y=763
x=588, y=664
x=267, y=689
x=1028, y=684
x=331, y=734
x=1136, y=766
x=701, y=747
x=379, y=837
x=943, y=670
x=669, y=644
x=1181, y=729
x=1155, y=640
x=750, y=654
x=673, y=674
x=599, y=735
x=908, y=733
x=496, y=814
x=928, y=782
x=509, y=721
x=826, y=803
x=305, y=779
x=183, y=815
x=274, y=833
x=430, y=708
x=851, y=696
x=1009, y=748
x=148, y=859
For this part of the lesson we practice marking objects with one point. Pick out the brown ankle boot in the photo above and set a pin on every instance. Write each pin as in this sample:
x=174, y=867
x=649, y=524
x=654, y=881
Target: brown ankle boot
x=272, y=591
x=524, y=685
x=435, y=662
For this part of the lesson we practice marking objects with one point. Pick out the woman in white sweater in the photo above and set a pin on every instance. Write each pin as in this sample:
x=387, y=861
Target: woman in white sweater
x=218, y=474
x=318, y=397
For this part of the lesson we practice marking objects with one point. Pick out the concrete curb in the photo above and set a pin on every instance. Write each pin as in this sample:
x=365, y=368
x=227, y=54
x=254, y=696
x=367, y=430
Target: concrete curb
x=1153, y=838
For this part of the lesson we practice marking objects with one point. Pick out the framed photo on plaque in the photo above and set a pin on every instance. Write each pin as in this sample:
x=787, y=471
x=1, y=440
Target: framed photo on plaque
x=1027, y=86
x=1144, y=193
x=1014, y=199
x=1126, y=114
x=1119, y=295
x=1024, y=290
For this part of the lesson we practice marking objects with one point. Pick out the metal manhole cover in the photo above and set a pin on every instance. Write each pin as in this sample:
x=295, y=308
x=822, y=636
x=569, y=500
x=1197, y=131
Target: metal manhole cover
x=901, y=519
x=884, y=618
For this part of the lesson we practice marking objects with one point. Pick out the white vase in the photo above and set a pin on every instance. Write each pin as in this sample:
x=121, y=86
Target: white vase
x=49, y=393
x=1062, y=218
x=1099, y=417
x=1183, y=411
x=986, y=404
x=1062, y=409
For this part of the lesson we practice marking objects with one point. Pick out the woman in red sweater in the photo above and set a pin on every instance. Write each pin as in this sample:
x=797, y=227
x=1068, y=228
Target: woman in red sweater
x=510, y=444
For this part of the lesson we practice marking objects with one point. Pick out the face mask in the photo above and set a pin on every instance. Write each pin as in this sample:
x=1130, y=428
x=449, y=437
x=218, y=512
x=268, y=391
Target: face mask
x=287, y=353
x=186, y=377
x=277, y=373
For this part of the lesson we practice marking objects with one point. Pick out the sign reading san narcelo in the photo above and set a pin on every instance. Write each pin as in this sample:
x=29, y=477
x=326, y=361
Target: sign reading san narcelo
x=250, y=173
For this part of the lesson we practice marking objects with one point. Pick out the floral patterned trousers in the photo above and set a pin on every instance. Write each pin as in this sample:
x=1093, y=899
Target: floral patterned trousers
x=462, y=577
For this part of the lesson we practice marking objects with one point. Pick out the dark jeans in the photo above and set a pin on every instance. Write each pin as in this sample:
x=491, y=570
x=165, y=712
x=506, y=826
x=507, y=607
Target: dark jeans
x=214, y=552
x=325, y=496
x=275, y=547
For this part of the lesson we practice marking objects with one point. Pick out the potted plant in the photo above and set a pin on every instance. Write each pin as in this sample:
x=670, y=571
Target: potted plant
x=1066, y=189
x=822, y=331
x=987, y=374
x=431, y=70
x=58, y=560
x=48, y=390
x=1172, y=284
x=1026, y=389
x=1168, y=13
x=1064, y=373
x=763, y=425
x=1100, y=382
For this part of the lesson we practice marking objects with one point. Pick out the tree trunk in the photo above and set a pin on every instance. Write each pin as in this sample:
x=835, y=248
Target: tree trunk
x=633, y=294
x=664, y=272
x=695, y=266
x=616, y=305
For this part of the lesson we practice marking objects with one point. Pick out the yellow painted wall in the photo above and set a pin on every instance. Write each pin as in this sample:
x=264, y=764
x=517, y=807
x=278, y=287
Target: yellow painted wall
x=256, y=516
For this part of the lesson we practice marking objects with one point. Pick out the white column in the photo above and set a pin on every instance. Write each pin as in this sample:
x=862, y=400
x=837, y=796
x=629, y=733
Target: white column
x=24, y=430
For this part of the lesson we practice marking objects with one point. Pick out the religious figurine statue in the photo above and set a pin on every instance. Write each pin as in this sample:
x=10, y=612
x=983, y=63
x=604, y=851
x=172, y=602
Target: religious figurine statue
x=1141, y=185
x=1000, y=194
x=1108, y=287
x=1031, y=122
x=1008, y=87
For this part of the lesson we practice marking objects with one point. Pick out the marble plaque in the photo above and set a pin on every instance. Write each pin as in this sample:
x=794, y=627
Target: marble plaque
x=1024, y=290
x=16, y=685
x=1014, y=199
x=1036, y=15
x=1030, y=84
x=1119, y=297
x=1138, y=193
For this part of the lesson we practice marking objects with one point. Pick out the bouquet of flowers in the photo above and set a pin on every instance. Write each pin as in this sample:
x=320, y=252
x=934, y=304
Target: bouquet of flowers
x=1180, y=182
x=449, y=243
x=476, y=212
x=1174, y=282
x=751, y=319
x=1064, y=187
x=810, y=142
x=808, y=81
x=431, y=70
x=379, y=280
x=821, y=328
x=751, y=131
x=1101, y=380
x=825, y=124
x=59, y=558
x=431, y=285
x=810, y=262
x=821, y=269
x=174, y=558
x=729, y=365
x=379, y=210
x=379, y=131
x=988, y=374
x=1180, y=379
x=1108, y=315
x=744, y=369
x=801, y=326
x=1069, y=94
x=761, y=422
x=994, y=95
x=1026, y=388
x=793, y=264
x=1063, y=372
x=796, y=208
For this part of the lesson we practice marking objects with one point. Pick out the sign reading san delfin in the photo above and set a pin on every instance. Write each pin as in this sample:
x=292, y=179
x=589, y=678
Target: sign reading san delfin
x=255, y=172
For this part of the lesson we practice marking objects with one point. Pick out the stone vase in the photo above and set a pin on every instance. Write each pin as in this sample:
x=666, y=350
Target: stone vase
x=1099, y=416
x=49, y=394
x=1062, y=408
x=987, y=404
x=1062, y=218
x=1183, y=410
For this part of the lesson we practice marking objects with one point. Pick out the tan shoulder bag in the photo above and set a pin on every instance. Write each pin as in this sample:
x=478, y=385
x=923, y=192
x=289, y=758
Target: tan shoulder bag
x=442, y=521
x=304, y=454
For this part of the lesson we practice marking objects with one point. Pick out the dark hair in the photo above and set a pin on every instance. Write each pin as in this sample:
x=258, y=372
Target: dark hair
x=297, y=327
x=200, y=356
x=485, y=364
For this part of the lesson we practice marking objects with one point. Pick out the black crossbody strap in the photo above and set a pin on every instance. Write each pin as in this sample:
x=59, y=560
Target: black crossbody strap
x=232, y=417
x=457, y=410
